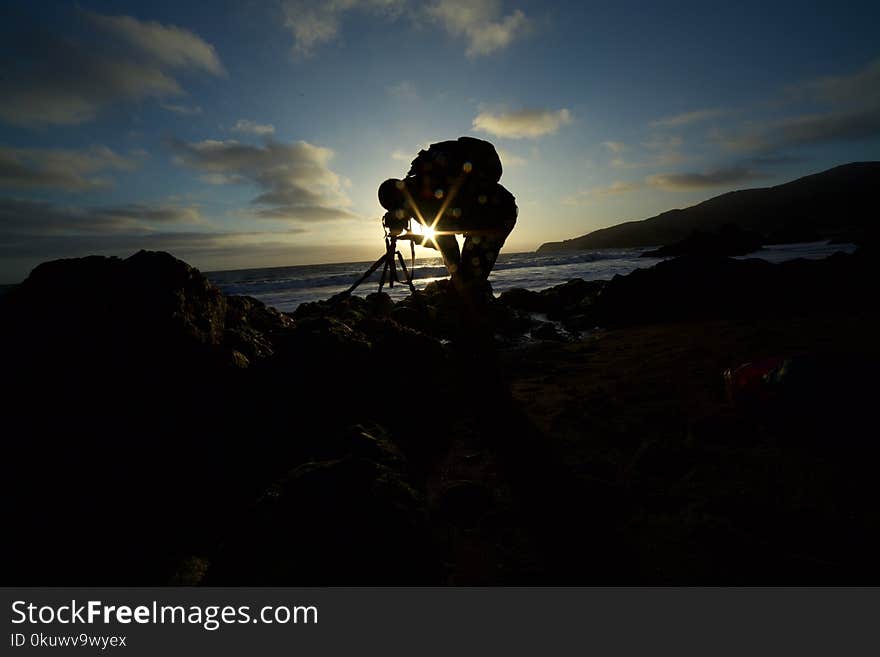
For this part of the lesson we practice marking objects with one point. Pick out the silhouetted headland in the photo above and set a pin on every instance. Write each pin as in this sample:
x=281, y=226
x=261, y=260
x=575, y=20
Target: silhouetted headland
x=833, y=204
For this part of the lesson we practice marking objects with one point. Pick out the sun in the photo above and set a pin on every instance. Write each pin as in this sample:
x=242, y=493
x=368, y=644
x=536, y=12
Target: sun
x=429, y=237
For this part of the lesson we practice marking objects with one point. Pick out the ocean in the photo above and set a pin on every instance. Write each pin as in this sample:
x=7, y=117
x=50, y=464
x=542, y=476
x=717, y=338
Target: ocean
x=287, y=287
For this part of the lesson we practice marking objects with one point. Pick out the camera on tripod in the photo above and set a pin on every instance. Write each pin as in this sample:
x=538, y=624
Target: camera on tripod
x=396, y=222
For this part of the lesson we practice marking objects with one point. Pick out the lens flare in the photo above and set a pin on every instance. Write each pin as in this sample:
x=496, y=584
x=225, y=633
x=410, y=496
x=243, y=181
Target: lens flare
x=429, y=237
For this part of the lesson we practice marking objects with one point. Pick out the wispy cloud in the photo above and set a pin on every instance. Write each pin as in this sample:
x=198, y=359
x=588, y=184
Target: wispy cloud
x=847, y=109
x=24, y=217
x=526, y=123
x=70, y=85
x=247, y=127
x=202, y=248
x=481, y=23
x=150, y=213
x=697, y=180
x=615, y=147
x=650, y=160
x=403, y=90
x=185, y=110
x=805, y=129
x=858, y=89
x=314, y=23
x=509, y=159
x=56, y=168
x=169, y=45
x=296, y=180
x=614, y=189
x=687, y=118
x=652, y=152
x=59, y=82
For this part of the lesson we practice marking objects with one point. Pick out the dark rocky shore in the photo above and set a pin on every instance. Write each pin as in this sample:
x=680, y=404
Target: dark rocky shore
x=157, y=431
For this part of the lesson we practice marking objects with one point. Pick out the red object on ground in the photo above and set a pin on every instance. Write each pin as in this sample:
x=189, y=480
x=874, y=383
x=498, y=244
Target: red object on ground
x=751, y=382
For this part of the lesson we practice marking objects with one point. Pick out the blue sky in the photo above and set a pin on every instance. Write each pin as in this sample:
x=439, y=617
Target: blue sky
x=256, y=133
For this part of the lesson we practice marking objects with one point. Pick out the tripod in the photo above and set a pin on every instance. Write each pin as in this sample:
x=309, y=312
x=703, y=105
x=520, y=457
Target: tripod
x=388, y=261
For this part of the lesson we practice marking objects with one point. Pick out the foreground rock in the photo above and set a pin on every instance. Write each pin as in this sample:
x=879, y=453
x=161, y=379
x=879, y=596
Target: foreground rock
x=229, y=443
x=705, y=288
x=135, y=390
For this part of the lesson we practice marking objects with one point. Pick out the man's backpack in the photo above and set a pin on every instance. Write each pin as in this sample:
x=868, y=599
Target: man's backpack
x=475, y=157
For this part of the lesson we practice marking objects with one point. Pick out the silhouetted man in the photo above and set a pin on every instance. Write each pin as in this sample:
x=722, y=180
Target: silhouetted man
x=453, y=188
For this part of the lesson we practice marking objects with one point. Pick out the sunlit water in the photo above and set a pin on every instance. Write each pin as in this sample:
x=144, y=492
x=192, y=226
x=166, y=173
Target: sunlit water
x=287, y=287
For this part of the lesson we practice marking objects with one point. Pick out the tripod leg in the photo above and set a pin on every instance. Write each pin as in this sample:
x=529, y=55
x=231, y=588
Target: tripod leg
x=367, y=274
x=384, y=273
x=406, y=273
x=390, y=250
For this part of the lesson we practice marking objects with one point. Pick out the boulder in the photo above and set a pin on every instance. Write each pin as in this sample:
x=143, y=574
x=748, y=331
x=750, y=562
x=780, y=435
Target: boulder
x=558, y=302
x=521, y=299
x=379, y=304
x=562, y=301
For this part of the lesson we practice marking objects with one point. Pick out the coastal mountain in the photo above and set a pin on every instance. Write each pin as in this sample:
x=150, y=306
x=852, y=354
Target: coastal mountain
x=839, y=202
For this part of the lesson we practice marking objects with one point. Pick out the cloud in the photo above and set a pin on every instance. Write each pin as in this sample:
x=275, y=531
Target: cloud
x=480, y=22
x=23, y=217
x=296, y=180
x=665, y=158
x=844, y=126
x=169, y=45
x=404, y=90
x=400, y=156
x=246, y=127
x=55, y=81
x=204, y=249
x=687, y=118
x=137, y=213
x=69, y=85
x=69, y=170
x=509, y=159
x=689, y=181
x=859, y=89
x=185, y=110
x=776, y=160
x=36, y=231
x=526, y=123
x=665, y=144
x=314, y=23
x=846, y=108
x=614, y=189
x=806, y=129
x=615, y=147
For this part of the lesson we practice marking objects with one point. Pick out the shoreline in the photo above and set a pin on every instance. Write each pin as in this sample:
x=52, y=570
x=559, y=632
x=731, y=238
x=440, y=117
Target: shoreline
x=287, y=287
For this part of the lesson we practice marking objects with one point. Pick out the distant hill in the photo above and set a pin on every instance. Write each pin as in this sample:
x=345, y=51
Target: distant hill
x=839, y=202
